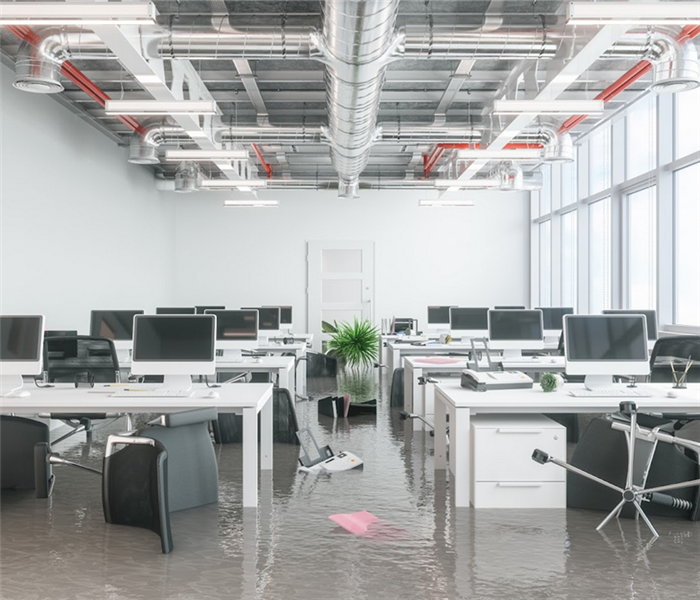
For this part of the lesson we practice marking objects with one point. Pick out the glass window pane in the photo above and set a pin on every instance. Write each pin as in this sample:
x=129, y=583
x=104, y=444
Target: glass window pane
x=546, y=263
x=600, y=160
x=641, y=250
x=641, y=137
x=568, y=184
x=569, y=259
x=599, y=256
x=341, y=261
x=687, y=122
x=687, y=184
x=341, y=290
x=546, y=192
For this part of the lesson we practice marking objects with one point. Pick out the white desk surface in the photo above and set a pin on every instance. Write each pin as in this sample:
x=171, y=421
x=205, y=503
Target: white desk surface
x=264, y=363
x=537, y=363
x=460, y=403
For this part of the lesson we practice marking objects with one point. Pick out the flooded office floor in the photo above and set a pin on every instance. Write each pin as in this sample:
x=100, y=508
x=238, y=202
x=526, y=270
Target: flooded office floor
x=423, y=549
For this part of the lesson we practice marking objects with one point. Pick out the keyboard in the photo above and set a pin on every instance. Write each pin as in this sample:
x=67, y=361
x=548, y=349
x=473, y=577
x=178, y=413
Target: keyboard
x=616, y=393
x=156, y=393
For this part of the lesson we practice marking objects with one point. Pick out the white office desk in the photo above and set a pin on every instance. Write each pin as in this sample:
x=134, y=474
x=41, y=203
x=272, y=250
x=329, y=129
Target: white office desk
x=386, y=338
x=282, y=366
x=460, y=403
x=299, y=351
x=247, y=399
x=419, y=399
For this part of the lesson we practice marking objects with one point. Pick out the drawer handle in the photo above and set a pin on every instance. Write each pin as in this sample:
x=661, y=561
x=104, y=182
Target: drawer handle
x=514, y=430
x=517, y=484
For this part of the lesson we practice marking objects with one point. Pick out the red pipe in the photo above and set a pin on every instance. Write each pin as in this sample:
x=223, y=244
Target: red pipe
x=430, y=162
x=77, y=77
x=263, y=162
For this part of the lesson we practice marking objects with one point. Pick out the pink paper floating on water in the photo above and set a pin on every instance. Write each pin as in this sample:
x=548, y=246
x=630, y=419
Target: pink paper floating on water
x=355, y=522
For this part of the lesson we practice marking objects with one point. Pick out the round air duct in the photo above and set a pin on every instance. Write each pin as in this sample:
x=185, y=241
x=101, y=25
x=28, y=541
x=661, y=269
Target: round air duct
x=187, y=178
x=509, y=174
x=675, y=68
x=36, y=73
x=559, y=149
x=142, y=153
x=143, y=147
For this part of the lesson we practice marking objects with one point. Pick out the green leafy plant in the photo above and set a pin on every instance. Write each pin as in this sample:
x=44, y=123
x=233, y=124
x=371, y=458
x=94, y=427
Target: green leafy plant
x=360, y=383
x=549, y=382
x=356, y=344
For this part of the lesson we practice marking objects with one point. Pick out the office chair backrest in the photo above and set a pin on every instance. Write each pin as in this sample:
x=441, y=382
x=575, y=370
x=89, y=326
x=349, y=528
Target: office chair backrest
x=18, y=435
x=679, y=349
x=69, y=358
x=284, y=419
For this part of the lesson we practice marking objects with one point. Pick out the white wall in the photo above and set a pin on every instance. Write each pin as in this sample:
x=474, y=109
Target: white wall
x=80, y=228
x=469, y=256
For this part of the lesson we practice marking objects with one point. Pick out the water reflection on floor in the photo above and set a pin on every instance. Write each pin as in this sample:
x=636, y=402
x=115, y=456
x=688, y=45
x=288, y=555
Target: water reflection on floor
x=423, y=549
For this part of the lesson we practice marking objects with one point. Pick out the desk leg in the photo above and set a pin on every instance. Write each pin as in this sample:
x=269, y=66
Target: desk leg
x=428, y=403
x=266, y=436
x=250, y=457
x=418, y=399
x=285, y=381
x=408, y=389
x=440, y=434
x=459, y=455
x=300, y=374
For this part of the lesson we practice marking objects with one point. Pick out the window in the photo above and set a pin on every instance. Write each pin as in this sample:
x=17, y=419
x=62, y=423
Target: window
x=569, y=258
x=687, y=299
x=641, y=137
x=641, y=248
x=568, y=185
x=687, y=123
x=545, y=263
x=599, y=256
x=600, y=160
x=546, y=193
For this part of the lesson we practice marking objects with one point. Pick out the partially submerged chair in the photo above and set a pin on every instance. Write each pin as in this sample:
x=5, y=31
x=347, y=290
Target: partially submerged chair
x=18, y=436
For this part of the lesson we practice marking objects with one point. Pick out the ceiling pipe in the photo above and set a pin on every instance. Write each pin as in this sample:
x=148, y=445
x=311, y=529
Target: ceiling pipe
x=143, y=146
x=188, y=178
x=263, y=162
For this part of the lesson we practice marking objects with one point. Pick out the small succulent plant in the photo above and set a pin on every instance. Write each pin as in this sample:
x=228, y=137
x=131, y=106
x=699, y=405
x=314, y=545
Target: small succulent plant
x=549, y=382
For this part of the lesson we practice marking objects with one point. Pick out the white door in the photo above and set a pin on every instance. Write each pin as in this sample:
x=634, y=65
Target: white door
x=340, y=284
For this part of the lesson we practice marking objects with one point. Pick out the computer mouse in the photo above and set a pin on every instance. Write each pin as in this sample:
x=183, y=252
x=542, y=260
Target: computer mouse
x=672, y=394
x=213, y=395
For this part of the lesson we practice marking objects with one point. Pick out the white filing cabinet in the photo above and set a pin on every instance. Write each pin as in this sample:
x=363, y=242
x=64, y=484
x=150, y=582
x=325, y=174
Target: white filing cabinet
x=505, y=476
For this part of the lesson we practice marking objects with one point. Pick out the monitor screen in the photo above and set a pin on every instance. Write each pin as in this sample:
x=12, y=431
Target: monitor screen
x=268, y=317
x=652, y=327
x=605, y=338
x=113, y=324
x=438, y=314
x=553, y=316
x=509, y=308
x=182, y=310
x=515, y=325
x=235, y=325
x=60, y=333
x=174, y=338
x=469, y=319
x=286, y=315
x=201, y=309
x=21, y=338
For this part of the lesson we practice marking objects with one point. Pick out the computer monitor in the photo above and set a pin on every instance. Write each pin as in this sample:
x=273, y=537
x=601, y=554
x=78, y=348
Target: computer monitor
x=467, y=323
x=176, y=346
x=182, y=310
x=650, y=314
x=21, y=346
x=553, y=319
x=286, y=323
x=60, y=333
x=600, y=346
x=514, y=330
x=200, y=310
x=268, y=321
x=236, y=330
x=439, y=318
x=403, y=325
x=117, y=325
x=509, y=308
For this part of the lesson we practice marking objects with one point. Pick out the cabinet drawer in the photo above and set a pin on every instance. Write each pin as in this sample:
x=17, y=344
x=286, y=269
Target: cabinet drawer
x=503, y=452
x=519, y=494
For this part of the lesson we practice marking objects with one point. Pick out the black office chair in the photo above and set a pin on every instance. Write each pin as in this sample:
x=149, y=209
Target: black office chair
x=677, y=349
x=18, y=437
x=80, y=358
x=135, y=486
x=397, y=388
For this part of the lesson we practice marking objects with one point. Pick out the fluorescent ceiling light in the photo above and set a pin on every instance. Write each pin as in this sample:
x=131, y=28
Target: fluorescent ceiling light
x=158, y=107
x=548, y=107
x=515, y=154
x=633, y=13
x=77, y=13
x=205, y=155
x=148, y=78
x=442, y=203
x=228, y=184
x=251, y=203
x=466, y=183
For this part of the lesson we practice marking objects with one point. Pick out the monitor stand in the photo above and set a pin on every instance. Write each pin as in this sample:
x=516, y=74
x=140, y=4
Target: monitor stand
x=10, y=384
x=598, y=382
x=512, y=354
x=177, y=382
x=263, y=339
x=123, y=356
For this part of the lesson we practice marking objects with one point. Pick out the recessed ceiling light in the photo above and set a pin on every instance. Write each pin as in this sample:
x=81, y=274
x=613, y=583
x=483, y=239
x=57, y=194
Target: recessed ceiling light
x=228, y=184
x=77, y=13
x=465, y=183
x=251, y=203
x=205, y=155
x=548, y=107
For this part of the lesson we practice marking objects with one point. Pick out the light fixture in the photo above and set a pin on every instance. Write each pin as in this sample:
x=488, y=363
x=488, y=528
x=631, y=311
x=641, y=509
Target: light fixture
x=158, y=107
x=505, y=154
x=77, y=13
x=633, y=13
x=251, y=203
x=205, y=155
x=445, y=203
x=462, y=184
x=228, y=184
x=548, y=107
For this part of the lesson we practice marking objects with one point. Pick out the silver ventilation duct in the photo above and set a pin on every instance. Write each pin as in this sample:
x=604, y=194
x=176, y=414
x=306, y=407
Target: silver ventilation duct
x=38, y=66
x=508, y=174
x=188, y=177
x=676, y=66
x=143, y=148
